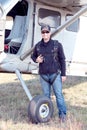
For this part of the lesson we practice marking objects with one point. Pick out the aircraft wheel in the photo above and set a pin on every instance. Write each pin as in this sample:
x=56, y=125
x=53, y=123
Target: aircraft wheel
x=40, y=109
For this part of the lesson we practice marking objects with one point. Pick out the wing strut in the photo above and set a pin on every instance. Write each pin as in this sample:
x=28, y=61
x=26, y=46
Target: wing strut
x=70, y=21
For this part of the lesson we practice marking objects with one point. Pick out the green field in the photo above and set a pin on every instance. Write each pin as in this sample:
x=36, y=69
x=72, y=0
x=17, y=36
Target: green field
x=14, y=104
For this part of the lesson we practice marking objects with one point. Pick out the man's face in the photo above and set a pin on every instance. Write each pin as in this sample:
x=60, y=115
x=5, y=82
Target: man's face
x=46, y=35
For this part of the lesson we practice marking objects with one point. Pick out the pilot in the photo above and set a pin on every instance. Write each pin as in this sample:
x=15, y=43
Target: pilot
x=52, y=68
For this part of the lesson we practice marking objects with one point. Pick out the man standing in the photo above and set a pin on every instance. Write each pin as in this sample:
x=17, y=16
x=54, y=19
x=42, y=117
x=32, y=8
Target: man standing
x=50, y=56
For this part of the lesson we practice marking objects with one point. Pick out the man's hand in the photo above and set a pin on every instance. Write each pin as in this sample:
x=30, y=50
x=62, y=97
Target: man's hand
x=63, y=78
x=39, y=59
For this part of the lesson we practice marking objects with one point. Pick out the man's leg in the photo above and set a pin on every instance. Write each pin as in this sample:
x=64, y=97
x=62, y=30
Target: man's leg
x=57, y=87
x=46, y=87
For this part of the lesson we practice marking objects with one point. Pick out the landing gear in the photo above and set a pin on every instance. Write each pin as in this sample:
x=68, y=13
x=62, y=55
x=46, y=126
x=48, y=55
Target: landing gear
x=40, y=109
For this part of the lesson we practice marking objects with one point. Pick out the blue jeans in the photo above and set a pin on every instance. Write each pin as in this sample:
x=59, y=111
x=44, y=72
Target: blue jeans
x=57, y=88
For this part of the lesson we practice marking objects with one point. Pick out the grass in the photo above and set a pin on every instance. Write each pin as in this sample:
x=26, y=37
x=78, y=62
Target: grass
x=14, y=104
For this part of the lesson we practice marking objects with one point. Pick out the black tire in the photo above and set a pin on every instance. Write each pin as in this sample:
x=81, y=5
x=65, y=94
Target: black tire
x=40, y=109
x=32, y=109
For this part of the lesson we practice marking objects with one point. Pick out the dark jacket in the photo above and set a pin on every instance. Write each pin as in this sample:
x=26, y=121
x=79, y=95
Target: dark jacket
x=54, y=58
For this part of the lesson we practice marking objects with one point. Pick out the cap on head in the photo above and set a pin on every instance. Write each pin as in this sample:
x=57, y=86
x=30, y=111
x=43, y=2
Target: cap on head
x=45, y=28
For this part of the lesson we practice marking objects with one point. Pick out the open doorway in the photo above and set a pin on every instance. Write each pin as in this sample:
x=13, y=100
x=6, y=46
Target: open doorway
x=15, y=27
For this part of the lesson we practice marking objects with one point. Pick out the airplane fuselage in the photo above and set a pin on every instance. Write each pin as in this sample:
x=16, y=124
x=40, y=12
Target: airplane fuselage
x=62, y=16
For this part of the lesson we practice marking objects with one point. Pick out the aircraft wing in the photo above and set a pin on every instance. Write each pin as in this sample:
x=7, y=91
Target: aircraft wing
x=68, y=4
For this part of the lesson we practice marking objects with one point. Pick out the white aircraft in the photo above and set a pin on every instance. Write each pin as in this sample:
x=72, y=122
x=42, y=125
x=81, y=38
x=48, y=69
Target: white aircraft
x=68, y=21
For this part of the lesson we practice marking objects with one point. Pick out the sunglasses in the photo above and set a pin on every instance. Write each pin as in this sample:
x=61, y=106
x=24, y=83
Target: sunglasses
x=43, y=32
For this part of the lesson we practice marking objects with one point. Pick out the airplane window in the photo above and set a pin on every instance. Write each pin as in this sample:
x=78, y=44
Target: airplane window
x=49, y=17
x=74, y=27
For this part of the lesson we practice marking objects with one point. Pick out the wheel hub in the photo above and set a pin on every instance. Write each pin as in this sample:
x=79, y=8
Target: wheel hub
x=44, y=110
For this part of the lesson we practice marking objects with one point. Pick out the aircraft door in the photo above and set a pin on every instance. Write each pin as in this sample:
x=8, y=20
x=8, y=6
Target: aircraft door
x=5, y=7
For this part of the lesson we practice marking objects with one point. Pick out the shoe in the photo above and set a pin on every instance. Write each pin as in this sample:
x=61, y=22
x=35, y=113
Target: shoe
x=62, y=118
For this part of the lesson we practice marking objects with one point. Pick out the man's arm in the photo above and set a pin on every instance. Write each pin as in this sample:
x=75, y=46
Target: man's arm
x=35, y=57
x=62, y=60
